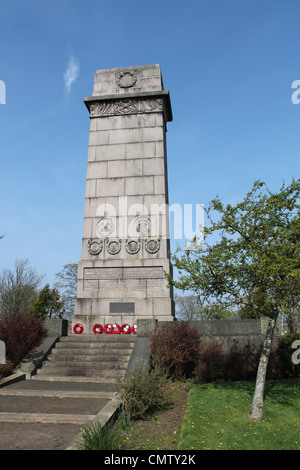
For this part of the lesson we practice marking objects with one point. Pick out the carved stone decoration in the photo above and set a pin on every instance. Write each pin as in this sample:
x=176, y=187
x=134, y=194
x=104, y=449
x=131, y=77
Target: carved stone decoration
x=105, y=227
x=95, y=247
x=152, y=246
x=133, y=246
x=155, y=104
x=113, y=247
x=126, y=106
x=102, y=108
x=126, y=79
x=143, y=226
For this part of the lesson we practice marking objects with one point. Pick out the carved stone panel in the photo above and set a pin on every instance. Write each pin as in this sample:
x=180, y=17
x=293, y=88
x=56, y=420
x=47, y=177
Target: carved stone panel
x=104, y=227
x=121, y=307
x=143, y=226
x=126, y=278
x=126, y=106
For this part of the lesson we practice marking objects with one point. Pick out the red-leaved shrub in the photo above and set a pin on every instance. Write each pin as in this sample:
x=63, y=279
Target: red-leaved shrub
x=175, y=348
x=21, y=333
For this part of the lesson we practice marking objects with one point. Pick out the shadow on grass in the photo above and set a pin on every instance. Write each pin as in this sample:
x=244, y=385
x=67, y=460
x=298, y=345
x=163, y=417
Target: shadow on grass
x=281, y=391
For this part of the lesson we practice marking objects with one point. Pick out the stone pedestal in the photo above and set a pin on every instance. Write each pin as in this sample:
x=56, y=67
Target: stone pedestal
x=125, y=241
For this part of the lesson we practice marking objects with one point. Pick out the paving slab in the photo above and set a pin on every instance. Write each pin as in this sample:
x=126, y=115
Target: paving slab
x=60, y=385
x=56, y=405
x=38, y=436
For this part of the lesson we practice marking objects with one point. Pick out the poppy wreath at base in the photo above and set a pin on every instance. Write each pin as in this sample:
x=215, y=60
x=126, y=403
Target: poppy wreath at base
x=126, y=329
x=78, y=329
x=97, y=329
x=110, y=329
x=134, y=329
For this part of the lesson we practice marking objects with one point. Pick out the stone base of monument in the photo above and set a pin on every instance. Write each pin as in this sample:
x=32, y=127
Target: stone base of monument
x=122, y=294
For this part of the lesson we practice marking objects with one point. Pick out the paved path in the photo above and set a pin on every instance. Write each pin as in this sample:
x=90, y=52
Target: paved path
x=48, y=414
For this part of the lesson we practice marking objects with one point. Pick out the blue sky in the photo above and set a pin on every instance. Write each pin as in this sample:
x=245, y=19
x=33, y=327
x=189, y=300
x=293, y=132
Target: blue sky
x=229, y=66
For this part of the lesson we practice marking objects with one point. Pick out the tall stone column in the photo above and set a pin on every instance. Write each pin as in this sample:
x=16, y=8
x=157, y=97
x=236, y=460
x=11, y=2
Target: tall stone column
x=125, y=241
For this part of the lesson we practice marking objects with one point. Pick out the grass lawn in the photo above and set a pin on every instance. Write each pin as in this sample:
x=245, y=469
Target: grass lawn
x=216, y=417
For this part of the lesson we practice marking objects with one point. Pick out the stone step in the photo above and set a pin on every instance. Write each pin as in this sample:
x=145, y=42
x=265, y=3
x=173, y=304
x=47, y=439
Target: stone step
x=57, y=393
x=86, y=364
x=49, y=418
x=90, y=350
x=79, y=372
x=111, y=381
x=57, y=386
x=98, y=339
x=90, y=358
x=64, y=356
x=93, y=345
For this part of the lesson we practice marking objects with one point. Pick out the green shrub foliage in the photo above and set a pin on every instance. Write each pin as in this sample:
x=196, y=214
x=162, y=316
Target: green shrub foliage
x=143, y=392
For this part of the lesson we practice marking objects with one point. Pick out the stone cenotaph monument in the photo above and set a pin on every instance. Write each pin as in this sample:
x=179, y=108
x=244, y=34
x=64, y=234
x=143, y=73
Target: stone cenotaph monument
x=125, y=241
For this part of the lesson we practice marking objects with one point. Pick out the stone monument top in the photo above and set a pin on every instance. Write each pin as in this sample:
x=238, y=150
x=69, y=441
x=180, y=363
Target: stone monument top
x=139, y=89
x=128, y=80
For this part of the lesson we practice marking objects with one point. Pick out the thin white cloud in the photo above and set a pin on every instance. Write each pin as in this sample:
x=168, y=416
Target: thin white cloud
x=71, y=73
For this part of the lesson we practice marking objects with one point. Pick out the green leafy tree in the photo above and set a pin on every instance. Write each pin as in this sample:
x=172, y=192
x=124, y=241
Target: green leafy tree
x=47, y=304
x=253, y=261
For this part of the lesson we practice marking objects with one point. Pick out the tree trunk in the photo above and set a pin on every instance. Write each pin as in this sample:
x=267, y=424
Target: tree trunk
x=258, y=398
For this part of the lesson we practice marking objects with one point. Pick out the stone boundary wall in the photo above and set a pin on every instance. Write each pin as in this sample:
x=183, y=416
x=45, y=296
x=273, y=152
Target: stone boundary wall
x=242, y=335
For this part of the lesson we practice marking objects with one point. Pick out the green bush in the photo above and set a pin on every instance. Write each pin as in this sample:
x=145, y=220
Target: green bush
x=143, y=392
x=285, y=352
x=175, y=348
x=97, y=437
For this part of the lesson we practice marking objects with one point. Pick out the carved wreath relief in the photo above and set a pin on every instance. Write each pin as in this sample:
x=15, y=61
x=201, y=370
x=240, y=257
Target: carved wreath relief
x=152, y=246
x=95, y=247
x=126, y=79
x=133, y=246
x=113, y=247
